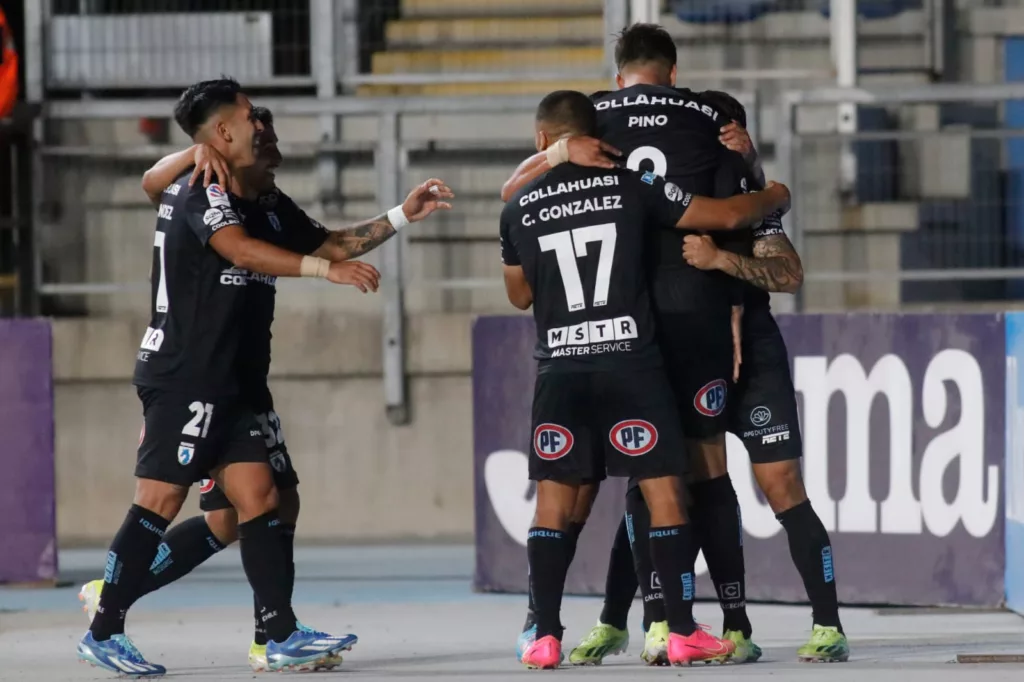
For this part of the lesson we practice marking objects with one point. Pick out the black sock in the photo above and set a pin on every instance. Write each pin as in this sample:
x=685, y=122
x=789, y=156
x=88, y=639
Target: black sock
x=266, y=566
x=288, y=542
x=716, y=524
x=643, y=567
x=670, y=552
x=620, y=583
x=547, y=553
x=812, y=553
x=185, y=546
x=128, y=561
x=572, y=537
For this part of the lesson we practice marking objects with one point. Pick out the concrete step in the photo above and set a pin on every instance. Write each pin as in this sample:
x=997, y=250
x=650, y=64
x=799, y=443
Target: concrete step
x=498, y=8
x=495, y=31
x=586, y=60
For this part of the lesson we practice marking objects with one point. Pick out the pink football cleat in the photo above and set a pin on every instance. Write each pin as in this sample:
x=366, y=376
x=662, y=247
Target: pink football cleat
x=699, y=646
x=544, y=654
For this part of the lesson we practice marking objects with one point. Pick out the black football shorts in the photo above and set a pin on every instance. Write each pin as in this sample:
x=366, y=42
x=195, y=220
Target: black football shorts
x=763, y=410
x=212, y=498
x=697, y=348
x=183, y=438
x=585, y=424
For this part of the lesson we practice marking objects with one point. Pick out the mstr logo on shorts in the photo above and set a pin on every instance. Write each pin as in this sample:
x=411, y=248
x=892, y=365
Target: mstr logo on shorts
x=551, y=441
x=710, y=399
x=634, y=437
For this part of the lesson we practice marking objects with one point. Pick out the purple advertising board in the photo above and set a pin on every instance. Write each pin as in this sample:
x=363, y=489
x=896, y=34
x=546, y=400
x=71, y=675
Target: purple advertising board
x=903, y=430
x=27, y=491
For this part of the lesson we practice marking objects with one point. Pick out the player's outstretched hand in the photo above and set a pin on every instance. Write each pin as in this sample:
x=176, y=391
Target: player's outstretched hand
x=209, y=163
x=700, y=251
x=785, y=200
x=592, y=152
x=362, y=276
x=735, y=137
x=427, y=198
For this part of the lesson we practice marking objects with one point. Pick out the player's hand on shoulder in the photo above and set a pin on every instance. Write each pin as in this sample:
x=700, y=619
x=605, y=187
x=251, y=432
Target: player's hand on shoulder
x=209, y=163
x=735, y=137
x=784, y=196
x=361, y=275
x=700, y=251
x=426, y=198
x=592, y=152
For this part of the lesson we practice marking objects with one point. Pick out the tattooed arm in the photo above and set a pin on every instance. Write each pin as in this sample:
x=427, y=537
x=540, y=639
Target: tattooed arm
x=775, y=265
x=355, y=240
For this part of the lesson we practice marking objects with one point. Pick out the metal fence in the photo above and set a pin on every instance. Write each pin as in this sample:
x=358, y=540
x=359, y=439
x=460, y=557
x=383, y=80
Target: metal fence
x=936, y=213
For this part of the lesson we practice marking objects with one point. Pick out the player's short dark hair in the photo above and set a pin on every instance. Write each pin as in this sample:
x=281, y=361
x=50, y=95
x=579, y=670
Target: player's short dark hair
x=729, y=105
x=568, y=111
x=643, y=44
x=200, y=100
x=263, y=115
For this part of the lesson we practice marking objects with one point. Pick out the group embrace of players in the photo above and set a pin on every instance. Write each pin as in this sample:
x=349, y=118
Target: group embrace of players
x=201, y=373
x=653, y=340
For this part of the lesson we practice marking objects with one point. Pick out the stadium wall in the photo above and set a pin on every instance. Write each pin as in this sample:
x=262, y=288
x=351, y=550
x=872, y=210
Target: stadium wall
x=903, y=420
x=363, y=479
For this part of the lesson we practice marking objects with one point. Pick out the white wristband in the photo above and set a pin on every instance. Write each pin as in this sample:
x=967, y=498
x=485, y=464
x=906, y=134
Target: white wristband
x=396, y=217
x=558, y=153
x=311, y=266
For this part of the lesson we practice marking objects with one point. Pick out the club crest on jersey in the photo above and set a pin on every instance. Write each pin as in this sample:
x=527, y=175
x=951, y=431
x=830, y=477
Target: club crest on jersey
x=186, y=451
x=710, y=400
x=551, y=441
x=206, y=485
x=633, y=437
x=278, y=463
x=648, y=177
x=216, y=195
x=272, y=217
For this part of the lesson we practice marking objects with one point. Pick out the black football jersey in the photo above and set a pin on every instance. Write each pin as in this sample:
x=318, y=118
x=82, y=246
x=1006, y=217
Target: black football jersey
x=580, y=235
x=736, y=177
x=191, y=344
x=274, y=218
x=674, y=133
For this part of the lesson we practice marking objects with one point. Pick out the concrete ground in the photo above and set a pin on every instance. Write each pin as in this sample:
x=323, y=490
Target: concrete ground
x=416, y=617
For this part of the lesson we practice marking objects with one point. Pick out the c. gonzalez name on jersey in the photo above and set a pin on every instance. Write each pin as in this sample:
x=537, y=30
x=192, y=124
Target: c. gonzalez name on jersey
x=572, y=207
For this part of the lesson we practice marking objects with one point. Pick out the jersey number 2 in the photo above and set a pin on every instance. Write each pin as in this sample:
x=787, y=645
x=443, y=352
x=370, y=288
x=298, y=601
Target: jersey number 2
x=652, y=154
x=572, y=244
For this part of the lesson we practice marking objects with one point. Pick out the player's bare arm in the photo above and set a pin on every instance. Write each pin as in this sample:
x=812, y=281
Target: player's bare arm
x=518, y=289
x=355, y=240
x=234, y=244
x=775, y=265
x=735, y=212
x=580, y=150
x=208, y=162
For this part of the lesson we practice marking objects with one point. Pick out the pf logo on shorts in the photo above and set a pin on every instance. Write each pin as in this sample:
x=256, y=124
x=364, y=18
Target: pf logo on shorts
x=710, y=400
x=634, y=437
x=206, y=485
x=551, y=441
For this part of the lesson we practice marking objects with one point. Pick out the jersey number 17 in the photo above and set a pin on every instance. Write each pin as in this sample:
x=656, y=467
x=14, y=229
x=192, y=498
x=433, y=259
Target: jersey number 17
x=572, y=244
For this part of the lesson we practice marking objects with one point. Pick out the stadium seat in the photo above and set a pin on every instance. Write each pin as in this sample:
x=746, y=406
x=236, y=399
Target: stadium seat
x=729, y=11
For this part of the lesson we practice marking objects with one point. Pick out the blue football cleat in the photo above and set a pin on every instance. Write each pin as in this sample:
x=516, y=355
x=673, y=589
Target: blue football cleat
x=118, y=655
x=307, y=650
x=526, y=638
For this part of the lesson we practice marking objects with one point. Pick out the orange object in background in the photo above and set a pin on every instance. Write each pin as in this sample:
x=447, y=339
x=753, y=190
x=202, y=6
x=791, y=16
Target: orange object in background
x=8, y=68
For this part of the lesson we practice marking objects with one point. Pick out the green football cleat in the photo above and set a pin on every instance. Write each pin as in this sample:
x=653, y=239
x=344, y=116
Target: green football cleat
x=603, y=640
x=827, y=645
x=656, y=644
x=746, y=651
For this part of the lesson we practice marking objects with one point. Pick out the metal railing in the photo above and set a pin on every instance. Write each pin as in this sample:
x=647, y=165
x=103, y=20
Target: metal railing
x=937, y=211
